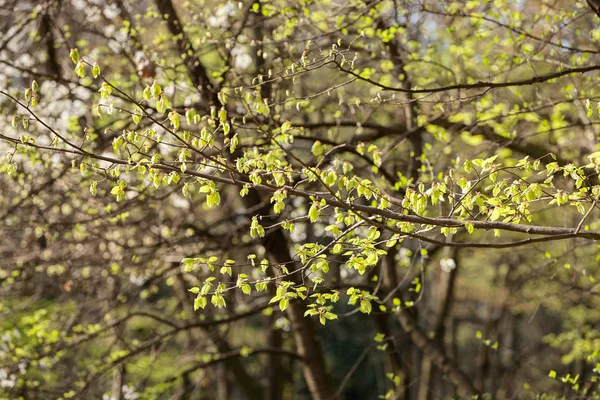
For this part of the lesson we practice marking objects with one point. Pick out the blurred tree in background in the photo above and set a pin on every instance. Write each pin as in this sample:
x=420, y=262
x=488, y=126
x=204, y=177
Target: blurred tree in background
x=299, y=199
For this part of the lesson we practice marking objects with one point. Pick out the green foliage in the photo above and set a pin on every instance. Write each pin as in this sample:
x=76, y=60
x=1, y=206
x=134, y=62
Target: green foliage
x=180, y=196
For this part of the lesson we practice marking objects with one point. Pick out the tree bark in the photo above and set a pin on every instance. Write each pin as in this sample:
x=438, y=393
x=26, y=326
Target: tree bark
x=307, y=343
x=196, y=69
x=437, y=355
x=277, y=372
x=442, y=303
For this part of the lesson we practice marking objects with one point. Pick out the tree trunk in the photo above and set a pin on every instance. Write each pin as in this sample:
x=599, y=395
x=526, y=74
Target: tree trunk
x=442, y=302
x=437, y=355
x=307, y=342
x=276, y=244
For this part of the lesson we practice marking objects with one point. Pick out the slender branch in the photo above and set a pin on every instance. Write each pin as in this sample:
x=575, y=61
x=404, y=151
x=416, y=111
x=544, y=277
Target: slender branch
x=479, y=84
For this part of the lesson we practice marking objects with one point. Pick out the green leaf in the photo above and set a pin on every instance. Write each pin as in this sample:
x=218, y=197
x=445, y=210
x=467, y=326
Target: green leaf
x=74, y=54
x=317, y=148
x=331, y=316
x=174, y=117
x=365, y=306
x=160, y=106
x=284, y=303
x=80, y=69
x=246, y=289
x=496, y=213
x=190, y=116
x=213, y=199
x=147, y=93
x=313, y=212
x=155, y=89
x=95, y=70
x=200, y=302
